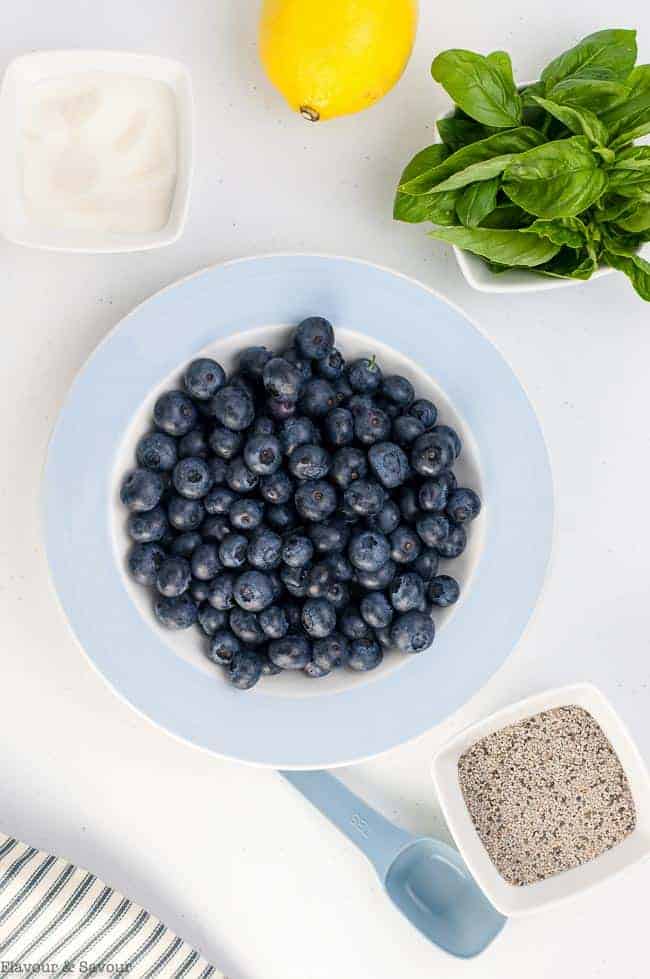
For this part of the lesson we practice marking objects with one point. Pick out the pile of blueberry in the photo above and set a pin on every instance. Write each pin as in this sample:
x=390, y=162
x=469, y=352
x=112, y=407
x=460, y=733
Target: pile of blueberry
x=297, y=511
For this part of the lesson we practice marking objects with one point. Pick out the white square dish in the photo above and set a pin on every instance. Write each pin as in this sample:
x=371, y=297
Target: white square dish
x=27, y=70
x=512, y=900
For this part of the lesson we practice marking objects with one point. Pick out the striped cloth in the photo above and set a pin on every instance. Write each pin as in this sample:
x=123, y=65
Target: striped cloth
x=58, y=919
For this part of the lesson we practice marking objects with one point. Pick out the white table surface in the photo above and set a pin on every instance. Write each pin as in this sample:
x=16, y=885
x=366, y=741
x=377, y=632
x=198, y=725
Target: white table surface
x=261, y=883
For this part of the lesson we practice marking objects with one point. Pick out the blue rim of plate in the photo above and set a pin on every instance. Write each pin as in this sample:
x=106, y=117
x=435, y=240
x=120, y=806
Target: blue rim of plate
x=368, y=719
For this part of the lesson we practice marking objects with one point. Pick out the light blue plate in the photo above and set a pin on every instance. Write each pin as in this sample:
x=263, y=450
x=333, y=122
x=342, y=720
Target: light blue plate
x=291, y=721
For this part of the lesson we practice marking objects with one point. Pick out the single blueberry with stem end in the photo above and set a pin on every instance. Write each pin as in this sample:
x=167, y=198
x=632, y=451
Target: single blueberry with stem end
x=203, y=378
x=157, y=451
x=144, y=562
x=365, y=654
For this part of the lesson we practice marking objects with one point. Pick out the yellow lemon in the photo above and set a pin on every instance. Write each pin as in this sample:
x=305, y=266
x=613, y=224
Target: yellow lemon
x=333, y=57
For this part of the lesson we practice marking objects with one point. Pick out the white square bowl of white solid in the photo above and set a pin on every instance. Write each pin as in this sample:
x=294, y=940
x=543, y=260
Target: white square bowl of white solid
x=513, y=900
x=28, y=70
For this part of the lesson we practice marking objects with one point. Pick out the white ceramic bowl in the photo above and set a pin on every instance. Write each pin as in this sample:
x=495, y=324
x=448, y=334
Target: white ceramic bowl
x=507, y=898
x=478, y=275
x=25, y=71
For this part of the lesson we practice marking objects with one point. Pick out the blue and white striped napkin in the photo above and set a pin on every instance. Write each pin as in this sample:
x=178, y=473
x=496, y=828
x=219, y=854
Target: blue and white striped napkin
x=59, y=919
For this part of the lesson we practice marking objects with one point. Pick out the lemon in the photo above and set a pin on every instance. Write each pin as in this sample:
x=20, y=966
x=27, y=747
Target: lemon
x=333, y=57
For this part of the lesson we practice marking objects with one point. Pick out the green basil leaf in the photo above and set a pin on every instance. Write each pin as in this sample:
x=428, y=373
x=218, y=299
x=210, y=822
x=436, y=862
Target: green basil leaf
x=638, y=81
x=620, y=242
x=456, y=133
x=513, y=141
x=632, y=167
x=478, y=87
x=637, y=219
x=636, y=269
x=502, y=63
x=561, y=231
x=608, y=55
x=529, y=92
x=558, y=179
x=613, y=208
x=507, y=216
x=635, y=191
x=477, y=201
x=504, y=247
x=582, y=122
x=413, y=209
x=588, y=93
x=485, y=170
x=630, y=118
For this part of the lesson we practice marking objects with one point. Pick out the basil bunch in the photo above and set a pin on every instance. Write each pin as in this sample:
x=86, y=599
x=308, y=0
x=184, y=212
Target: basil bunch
x=546, y=177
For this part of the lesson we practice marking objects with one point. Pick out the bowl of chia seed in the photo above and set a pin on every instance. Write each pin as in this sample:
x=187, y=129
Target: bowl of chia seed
x=546, y=798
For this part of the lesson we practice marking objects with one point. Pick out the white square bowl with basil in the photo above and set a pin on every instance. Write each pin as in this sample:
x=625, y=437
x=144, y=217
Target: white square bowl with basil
x=541, y=185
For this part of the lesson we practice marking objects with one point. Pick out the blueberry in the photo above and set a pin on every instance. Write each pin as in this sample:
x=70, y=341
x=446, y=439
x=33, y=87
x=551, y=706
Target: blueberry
x=388, y=518
x=314, y=338
x=463, y=505
x=191, y=478
x=398, y=389
x=309, y=462
x=232, y=551
x=425, y=411
x=331, y=367
x=431, y=453
x=174, y=413
x=451, y=437
x=203, y=378
x=264, y=549
x=219, y=500
x=365, y=375
x=406, y=429
x=369, y=550
x=302, y=364
x=277, y=488
x=337, y=594
x=315, y=500
x=376, y=610
x=371, y=425
x=352, y=624
x=282, y=379
x=318, y=618
x=223, y=646
x=185, y=514
x=221, y=594
x=405, y=545
x=215, y=527
x=365, y=654
x=245, y=669
x=331, y=652
x=406, y=591
x=365, y=497
x=389, y=463
x=297, y=550
x=149, y=526
x=280, y=407
x=233, y=408
x=427, y=563
x=193, y=444
x=281, y=516
x=205, y=562
x=253, y=591
x=239, y=477
x=341, y=568
x=225, y=443
x=145, y=561
x=348, y=464
x=358, y=403
x=246, y=627
x=454, y=544
x=141, y=490
x=412, y=632
x=443, y=591
x=433, y=528
x=317, y=398
x=338, y=426
x=263, y=454
x=199, y=590
x=408, y=504
x=297, y=431
x=433, y=494
x=175, y=613
x=185, y=544
x=173, y=578
x=290, y=652
x=315, y=671
x=377, y=580
x=295, y=580
x=157, y=451
x=246, y=514
x=319, y=579
x=274, y=622
x=329, y=535
x=253, y=360
x=342, y=390
x=211, y=619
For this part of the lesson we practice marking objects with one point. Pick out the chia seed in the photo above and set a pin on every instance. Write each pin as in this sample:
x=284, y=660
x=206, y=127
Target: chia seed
x=546, y=794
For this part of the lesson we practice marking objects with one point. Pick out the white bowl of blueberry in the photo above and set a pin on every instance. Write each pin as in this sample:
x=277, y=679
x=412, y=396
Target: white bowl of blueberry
x=297, y=510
